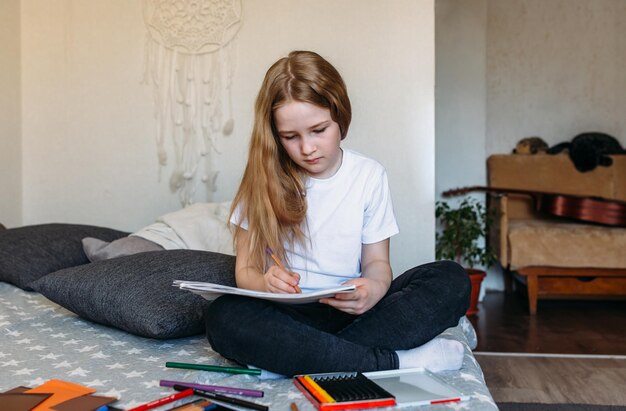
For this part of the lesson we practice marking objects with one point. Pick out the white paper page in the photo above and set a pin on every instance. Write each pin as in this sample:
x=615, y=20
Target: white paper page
x=211, y=291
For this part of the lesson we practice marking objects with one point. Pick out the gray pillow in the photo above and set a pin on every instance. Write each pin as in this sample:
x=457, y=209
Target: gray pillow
x=97, y=250
x=30, y=252
x=135, y=293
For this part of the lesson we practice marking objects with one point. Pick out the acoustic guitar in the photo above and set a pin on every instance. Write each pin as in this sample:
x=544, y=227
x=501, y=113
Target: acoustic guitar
x=589, y=209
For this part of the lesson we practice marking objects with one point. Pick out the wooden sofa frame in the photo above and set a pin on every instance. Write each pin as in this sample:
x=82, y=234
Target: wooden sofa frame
x=549, y=282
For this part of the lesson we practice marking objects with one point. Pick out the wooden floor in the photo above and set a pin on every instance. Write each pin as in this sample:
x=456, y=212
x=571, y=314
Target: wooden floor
x=571, y=352
x=555, y=380
x=560, y=326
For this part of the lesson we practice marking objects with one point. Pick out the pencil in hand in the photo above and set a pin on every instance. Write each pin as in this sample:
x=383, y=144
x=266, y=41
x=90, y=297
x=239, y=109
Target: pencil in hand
x=280, y=264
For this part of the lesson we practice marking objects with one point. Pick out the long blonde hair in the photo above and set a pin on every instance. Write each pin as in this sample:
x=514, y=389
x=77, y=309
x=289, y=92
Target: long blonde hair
x=271, y=196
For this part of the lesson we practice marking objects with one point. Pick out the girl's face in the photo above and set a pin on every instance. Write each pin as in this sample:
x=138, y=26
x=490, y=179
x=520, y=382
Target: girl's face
x=310, y=137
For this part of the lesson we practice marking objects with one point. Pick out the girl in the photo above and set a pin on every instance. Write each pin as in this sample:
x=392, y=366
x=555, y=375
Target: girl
x=327, y=213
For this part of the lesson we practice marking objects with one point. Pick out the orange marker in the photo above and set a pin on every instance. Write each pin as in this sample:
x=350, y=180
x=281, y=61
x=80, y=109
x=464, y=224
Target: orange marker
x=278, y=263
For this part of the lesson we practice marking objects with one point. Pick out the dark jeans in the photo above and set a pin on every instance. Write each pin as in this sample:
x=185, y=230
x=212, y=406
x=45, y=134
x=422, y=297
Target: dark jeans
x=312, y=338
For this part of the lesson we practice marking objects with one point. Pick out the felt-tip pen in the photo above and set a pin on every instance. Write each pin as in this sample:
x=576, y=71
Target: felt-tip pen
x=185, y=392
x=223, y=398
x=216, y=368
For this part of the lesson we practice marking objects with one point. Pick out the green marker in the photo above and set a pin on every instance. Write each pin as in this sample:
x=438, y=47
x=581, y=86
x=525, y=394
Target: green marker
x=216, y=368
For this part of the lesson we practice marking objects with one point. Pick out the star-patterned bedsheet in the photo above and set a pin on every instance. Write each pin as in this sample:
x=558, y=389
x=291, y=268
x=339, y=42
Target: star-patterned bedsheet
x=40, y=340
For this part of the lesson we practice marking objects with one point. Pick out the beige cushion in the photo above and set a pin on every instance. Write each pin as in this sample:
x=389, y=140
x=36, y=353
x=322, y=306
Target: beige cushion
x=562, y=244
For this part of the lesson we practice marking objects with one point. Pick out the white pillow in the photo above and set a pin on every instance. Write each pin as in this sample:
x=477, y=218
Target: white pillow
x=200, y=226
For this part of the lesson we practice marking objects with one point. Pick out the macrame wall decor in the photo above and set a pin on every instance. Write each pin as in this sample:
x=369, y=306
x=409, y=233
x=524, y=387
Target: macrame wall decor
x=190, y=60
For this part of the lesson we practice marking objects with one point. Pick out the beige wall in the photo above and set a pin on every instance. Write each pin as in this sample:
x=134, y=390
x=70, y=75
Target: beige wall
x=10, y=144
x=460, y=43
x=88, y=126
x=555, y=69
x=460, y=100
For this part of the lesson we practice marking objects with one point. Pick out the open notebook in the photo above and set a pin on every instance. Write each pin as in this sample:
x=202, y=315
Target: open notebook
x=211, y=291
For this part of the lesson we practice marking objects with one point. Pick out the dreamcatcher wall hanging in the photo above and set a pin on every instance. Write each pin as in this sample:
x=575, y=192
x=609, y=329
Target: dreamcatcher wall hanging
x=190, y=60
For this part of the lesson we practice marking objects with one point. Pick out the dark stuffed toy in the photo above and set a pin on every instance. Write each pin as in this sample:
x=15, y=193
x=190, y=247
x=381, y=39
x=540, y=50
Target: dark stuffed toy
x=589, y=150
x=530, y=145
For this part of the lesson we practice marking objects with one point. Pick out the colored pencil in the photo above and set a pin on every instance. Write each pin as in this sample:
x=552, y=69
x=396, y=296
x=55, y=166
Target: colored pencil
x=270, y=252
x=215, y=388
x=216, y=368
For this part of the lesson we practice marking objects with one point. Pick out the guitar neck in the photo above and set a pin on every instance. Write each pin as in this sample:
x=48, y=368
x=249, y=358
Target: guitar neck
x=585, y=208
x=536, y=195
x=459, y=191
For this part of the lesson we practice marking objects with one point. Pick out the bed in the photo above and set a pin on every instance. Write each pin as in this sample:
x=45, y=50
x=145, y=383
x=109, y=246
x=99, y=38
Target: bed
x=75, y=328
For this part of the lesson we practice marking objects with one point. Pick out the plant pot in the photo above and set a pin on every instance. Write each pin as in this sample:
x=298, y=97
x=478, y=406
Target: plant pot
x=476, y=277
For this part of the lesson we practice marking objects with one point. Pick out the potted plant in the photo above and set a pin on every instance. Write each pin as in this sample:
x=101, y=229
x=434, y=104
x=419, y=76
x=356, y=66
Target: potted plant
x=462, y=238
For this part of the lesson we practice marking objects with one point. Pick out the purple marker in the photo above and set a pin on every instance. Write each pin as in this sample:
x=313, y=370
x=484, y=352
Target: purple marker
x=214, y=388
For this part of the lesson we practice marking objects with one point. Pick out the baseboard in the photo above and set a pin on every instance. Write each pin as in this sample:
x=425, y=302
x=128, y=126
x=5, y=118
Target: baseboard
x=549, y=355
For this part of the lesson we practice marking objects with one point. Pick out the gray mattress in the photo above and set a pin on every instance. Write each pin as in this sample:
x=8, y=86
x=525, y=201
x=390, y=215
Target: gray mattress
x=39, y=340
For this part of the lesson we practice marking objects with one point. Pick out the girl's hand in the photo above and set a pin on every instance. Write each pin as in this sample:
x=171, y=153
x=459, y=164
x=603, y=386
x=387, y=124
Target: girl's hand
x=368, y=292
x=278, y=280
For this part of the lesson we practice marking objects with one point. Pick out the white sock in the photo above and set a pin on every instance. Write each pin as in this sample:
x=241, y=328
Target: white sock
x=438, y=354
x=267, y=375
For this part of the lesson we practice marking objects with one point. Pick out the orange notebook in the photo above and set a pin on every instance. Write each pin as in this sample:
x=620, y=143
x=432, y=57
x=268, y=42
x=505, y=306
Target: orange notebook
x=61, y=391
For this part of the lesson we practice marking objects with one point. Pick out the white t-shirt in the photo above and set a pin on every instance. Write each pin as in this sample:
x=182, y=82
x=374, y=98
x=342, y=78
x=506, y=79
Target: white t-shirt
x=351, y=208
